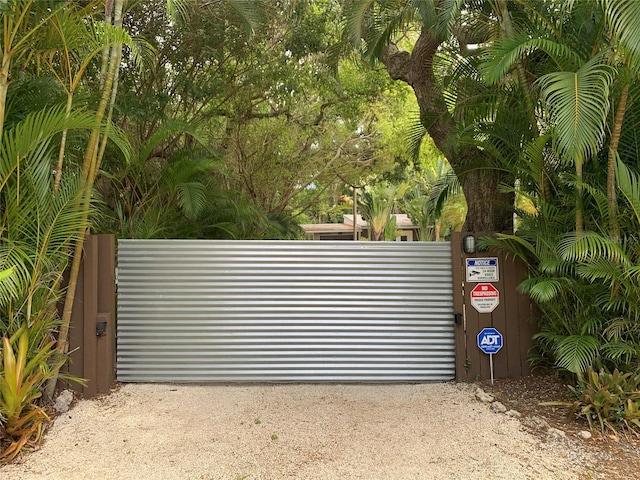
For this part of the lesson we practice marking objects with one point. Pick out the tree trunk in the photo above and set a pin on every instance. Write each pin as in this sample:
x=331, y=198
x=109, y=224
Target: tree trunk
x=4, y=86
x=489, y=210
x=612, y=199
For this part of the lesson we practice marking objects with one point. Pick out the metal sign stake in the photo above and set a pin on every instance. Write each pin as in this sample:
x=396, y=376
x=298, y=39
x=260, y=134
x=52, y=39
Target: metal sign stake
x=491, y=366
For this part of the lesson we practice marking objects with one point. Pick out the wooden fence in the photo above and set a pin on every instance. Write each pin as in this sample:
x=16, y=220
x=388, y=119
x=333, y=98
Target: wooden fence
x=92, y=337
x=511, y=317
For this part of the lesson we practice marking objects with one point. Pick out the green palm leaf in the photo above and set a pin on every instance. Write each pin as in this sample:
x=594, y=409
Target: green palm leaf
x=577, y=353
x=579, y=105
x=502, y=56
x=629, y=185
x=192, y=198
x=623, y=17
x=543, y=289
x=621, y=350
x=590, y=246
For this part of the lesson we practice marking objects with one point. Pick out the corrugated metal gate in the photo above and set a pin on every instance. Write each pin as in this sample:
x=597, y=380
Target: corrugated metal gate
x=284, y=311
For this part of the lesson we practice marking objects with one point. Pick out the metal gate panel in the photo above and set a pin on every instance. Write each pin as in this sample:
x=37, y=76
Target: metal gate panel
x=284, y=311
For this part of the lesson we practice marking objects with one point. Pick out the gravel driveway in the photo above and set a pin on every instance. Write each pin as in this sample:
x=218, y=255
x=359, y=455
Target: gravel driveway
x=425, y=431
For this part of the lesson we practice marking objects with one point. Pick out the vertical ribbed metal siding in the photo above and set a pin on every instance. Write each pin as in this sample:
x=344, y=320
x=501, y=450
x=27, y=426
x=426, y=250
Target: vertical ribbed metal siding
x=284, y=311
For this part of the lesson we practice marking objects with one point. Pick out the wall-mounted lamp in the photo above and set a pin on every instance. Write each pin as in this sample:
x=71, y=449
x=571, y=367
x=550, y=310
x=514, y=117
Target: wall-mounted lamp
x=469, y=244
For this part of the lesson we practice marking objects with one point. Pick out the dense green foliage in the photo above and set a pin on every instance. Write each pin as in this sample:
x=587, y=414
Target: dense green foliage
x=546, y=92
x=581, y=174
x=260, y=126
x=41, y=214
x=235, y=119
x=216, y=120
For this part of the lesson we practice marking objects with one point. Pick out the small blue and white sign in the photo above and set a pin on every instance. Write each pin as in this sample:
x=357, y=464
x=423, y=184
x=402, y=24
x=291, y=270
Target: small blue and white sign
x=482, y=270
x=489, y=340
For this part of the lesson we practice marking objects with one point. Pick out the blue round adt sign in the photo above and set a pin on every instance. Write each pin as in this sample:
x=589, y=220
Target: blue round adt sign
x=489, y=340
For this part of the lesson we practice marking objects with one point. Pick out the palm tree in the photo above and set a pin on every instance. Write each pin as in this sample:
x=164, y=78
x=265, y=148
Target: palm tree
x=596, y=70
x=93, y=153
x=377, y=203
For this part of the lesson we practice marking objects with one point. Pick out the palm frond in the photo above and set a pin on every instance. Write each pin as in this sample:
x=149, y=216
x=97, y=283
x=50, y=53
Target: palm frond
x=9, y=287
x=29, y=138
x=590, y=246
x=576, y=353
x=513, y=244
x=444, y=188
x=502, y=56
x=355, y=13
x=579, y=106
x=629, y=185
x=178, y=9
x=416, y=132
x=543, y=289
x=601, y=270
x=448, y=13
x=623, y=17
x=251, y=14
x=618, y=350
x=192, y=197
x=169, y=128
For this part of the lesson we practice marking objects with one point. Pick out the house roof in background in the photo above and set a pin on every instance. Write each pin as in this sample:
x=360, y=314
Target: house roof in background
x=328, y=227
x=403, y=222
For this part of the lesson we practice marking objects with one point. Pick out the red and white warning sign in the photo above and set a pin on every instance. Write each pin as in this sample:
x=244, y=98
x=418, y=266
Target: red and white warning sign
x=485, y=297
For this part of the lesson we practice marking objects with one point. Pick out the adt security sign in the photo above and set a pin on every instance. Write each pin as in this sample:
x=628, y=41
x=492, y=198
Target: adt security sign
x=490, y=340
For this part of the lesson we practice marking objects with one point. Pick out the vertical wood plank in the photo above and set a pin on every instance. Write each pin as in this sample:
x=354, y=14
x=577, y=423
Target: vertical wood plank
x=475, y=321
x=106, y=313
x=90, y=313
x=513, y=317
x=526, y=312
x=76, y=335
x=499, y=321
x=457, y=266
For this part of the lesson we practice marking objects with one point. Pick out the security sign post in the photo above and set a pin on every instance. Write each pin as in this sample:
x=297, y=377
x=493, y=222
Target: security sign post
x=490, y=342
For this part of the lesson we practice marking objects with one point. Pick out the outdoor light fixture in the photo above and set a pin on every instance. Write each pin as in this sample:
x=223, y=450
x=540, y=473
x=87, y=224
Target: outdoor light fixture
x=469, y=244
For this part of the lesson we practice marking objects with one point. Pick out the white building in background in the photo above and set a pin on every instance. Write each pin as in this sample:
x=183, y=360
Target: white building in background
x=407, y=231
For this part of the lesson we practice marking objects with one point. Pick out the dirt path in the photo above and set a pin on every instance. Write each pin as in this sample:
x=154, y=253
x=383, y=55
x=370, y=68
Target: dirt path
x=426, y=431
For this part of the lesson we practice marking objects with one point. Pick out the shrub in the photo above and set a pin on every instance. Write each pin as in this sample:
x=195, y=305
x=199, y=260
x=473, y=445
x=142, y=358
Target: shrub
x=609, y=400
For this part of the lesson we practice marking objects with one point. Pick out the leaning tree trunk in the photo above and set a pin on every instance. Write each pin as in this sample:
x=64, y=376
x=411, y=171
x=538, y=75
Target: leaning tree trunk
x=489, y=209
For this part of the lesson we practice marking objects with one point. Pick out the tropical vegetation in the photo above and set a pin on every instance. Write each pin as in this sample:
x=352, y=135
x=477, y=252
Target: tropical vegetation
x=544, y=95
x=226, y=119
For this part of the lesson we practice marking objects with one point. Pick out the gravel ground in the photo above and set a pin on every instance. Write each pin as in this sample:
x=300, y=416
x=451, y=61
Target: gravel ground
x=425, y=431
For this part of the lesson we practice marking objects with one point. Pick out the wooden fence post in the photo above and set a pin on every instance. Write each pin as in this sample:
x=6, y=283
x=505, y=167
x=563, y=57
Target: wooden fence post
x=92, y=332
x=511, y=317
